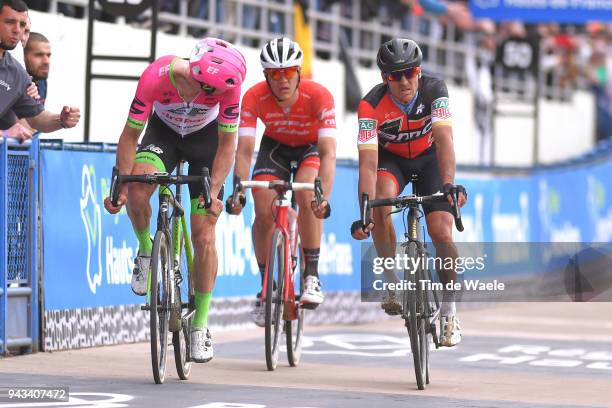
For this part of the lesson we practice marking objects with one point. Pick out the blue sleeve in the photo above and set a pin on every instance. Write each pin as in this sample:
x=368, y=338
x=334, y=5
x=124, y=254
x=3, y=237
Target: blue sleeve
x=434, y=6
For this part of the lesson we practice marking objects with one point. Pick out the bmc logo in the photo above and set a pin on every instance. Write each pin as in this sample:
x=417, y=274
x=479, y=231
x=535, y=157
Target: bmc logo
x=212, y=70
x=389, y=132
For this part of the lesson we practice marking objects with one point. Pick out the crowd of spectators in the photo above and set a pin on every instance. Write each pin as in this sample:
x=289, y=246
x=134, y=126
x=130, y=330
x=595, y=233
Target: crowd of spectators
x=571, y=55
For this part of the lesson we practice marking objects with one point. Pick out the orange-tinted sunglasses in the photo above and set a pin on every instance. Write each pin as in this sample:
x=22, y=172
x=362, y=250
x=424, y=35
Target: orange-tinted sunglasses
x=408, y=73
x=276, y=73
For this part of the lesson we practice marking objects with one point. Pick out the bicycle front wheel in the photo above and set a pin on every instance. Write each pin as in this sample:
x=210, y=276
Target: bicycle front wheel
x=416, y=320
x=159, y=305
x=294, y=329
x=274, y=301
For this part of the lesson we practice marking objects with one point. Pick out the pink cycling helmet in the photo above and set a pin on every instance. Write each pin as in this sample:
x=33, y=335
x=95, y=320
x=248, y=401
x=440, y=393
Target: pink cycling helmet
x=217, y=63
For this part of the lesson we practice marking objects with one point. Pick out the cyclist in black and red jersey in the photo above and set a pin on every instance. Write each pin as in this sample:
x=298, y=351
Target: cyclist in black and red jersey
x=404, y=130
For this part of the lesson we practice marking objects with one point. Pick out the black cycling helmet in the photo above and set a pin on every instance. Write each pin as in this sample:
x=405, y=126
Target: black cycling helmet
x=398, y=54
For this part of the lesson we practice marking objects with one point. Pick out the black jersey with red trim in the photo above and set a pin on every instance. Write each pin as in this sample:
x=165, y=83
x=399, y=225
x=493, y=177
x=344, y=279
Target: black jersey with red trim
x=382, y=122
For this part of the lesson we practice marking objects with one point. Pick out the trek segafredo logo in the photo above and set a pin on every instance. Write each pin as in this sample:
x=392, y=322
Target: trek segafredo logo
x=111, y=265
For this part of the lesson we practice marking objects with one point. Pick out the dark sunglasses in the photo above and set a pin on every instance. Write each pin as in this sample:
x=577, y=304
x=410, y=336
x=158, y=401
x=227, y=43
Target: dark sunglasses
x=276, y=73
x=408, y=73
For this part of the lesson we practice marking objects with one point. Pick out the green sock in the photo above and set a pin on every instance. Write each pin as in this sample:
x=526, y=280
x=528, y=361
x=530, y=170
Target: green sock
x=202, y=303
x=144, y=239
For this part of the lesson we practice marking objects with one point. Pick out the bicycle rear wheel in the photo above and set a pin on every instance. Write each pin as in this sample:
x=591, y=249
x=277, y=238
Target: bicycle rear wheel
x=294, y=329
x=179, y=342
x=159, y=305
x=416, y=321
x=274, y=303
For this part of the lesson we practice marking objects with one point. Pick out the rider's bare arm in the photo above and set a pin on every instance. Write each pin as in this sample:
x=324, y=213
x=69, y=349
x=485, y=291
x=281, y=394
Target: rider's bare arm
x=223, y=160
x=126, y=149
x=327, y=156
x=246, y=147
x=368, y=162
x=445, y=152
x=367, y=143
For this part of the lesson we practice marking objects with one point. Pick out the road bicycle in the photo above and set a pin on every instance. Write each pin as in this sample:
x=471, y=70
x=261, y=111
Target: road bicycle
x=282, y=304
x=420, y=306
x=168, y=312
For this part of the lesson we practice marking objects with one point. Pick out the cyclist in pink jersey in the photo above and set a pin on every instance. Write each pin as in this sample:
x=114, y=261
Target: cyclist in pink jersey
x=192, y=109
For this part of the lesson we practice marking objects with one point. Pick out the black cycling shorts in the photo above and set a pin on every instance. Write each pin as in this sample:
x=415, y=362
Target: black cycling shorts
x=164, y=148
x=274, y=159
x=424, y=166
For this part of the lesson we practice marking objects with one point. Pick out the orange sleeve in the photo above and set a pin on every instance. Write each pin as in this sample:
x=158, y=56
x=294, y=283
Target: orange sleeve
x=326, y=114
x=248, y=114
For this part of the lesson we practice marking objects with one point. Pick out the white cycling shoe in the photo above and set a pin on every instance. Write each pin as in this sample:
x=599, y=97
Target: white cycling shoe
x=450, y=331
x=201, y=348
x=258, y=313
x=312, y=293
x=140, y=273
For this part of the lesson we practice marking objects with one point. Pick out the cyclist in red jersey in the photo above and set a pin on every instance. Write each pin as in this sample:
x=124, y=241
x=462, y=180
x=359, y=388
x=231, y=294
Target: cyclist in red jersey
x=300, y=126
x=404, y=130
x=192, y=111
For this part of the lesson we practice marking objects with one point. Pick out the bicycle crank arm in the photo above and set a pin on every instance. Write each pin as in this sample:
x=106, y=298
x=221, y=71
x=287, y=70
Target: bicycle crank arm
x=434, y=334
x=159, y=308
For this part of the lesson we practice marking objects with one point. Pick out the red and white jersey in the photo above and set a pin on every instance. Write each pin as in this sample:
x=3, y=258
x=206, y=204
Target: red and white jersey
x=311, y=117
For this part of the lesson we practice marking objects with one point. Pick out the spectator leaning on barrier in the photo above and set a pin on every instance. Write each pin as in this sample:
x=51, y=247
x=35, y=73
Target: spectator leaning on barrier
x=37, y=56
x=14, y=81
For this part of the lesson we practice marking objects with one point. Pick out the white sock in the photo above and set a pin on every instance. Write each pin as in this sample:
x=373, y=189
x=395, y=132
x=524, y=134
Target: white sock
x=448, y=308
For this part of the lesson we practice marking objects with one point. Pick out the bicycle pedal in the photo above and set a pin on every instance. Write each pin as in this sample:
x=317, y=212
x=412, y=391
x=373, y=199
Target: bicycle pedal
x=392, y=310
x=309, y=306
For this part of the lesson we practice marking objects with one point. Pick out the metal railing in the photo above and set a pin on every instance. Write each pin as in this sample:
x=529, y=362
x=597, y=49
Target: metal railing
x=251, y=22
x=19, y=308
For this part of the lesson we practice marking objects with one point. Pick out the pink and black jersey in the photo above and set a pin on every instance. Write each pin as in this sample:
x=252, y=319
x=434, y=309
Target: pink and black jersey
x=157, y=91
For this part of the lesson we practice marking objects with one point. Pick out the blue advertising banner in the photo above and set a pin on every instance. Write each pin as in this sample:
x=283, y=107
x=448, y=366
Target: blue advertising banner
x=88, y=253
x=539, y=11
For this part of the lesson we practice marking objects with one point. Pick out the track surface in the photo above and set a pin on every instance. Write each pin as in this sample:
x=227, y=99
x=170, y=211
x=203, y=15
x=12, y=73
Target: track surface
x=513, y=355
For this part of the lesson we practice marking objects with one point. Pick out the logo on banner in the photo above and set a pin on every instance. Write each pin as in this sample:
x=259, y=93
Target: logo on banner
x=106, y=263
x=91, y=215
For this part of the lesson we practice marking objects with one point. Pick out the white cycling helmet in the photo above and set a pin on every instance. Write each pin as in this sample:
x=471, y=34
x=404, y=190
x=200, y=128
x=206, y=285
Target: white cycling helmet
x=281, y=53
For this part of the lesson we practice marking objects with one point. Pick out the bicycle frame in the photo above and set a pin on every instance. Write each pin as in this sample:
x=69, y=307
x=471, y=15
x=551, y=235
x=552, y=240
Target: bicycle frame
x=281, y=222
x=175, y=232
x=413, y=233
